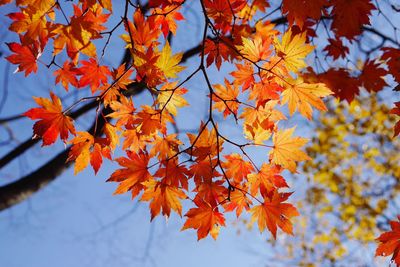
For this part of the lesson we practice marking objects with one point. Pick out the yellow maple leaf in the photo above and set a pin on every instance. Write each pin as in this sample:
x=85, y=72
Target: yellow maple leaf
x=286, y=150
x=168, y=63
x=302, y=96
x=293, y=50
x=256, y=49
x=170, y=98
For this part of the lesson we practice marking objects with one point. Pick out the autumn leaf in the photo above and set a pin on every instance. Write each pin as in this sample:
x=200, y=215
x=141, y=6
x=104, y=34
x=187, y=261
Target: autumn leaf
x=205, y=218
x=392, y=55
x=67, y=75
x=341, y=83
x=243, y=75
x=134, y=173
x=225, y=98
x=170, y=97
x=165, y=146
x=168, y=21
x=372, y=76
x=300, y=95
x=298, y=11
x=80, y=151
x=52, y=121
x=350, y=16
x=390, y=242
x=286, y=150
x=238, y=201
x=267, y=179
x=336, y=49
x=93, y=74
x=123, y=112
x=216, y=51
x=163, y=197
x=293, y=50
x=24, y=56
x=168, y=63
x=255, y=49
x=236, y=168
x=273, y=213
x=85, y=149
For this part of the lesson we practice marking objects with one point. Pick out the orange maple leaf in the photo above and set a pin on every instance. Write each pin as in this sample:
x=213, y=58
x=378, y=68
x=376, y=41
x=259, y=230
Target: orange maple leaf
x=134, y=173
x=93, y=74
x=236, y=168
x=53, y=121
x=86, y=149
x=225, y=98
x=163, y=197
x=273, y=213
x=266, y=180
x=68, y=75
x=205, y=218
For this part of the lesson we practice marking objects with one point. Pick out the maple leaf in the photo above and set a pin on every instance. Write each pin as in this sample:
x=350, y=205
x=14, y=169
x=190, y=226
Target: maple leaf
x=80, y=151
x=143, y=32
x=134, y=173
x=163, y=197
x=86, y=149
x=165, y=146
x=52, y=121
x=216, y=51
x=292, y=50
x=267, y=179
x=255, y=49
x=67, y=75
x=213, y=192
x=300, y=95
x=244, y=75
x=93, y=74
x=205, y=218
x=286, y=150
x=236, y=168
x=350, y=16
x=372, y=76
x=150, y=121
x=173, y=173
x=341, y=83
x=299, y=10
x=392, y=55
x=123, y=112
x=168, y=63
x=273, y=213
x=225, y=98
x=170, y=97
x=336, y=48
x=390, y=242
x=25, y=56
x=205, y=145
x=168, y=21
x=238, y=201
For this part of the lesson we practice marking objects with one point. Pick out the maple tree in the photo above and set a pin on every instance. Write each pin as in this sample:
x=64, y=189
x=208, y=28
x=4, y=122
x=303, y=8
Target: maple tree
x=266, y=46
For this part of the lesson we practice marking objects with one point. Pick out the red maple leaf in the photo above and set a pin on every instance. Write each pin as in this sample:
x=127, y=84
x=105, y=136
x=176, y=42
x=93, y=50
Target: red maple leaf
x=53, y=121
